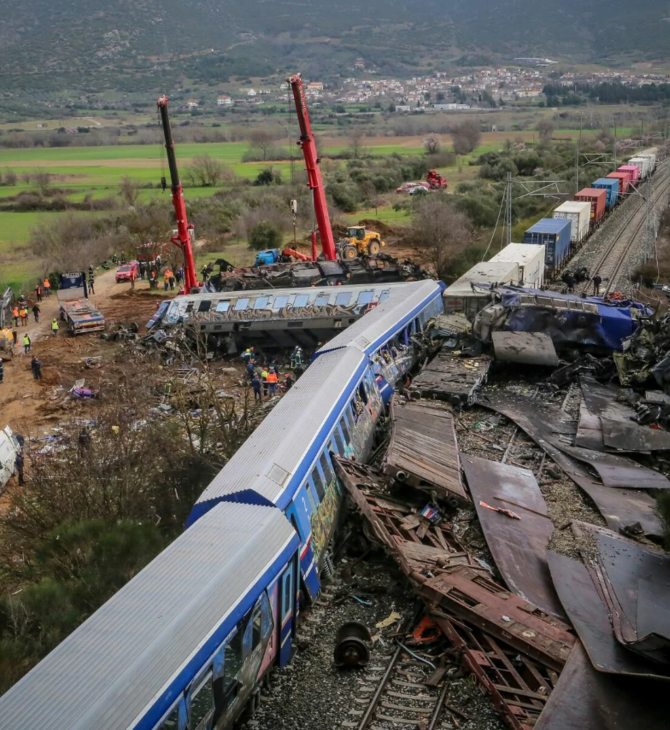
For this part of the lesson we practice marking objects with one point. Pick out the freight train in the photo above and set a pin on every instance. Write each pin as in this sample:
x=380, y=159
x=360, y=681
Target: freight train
x=572, y=223
x=186, y=644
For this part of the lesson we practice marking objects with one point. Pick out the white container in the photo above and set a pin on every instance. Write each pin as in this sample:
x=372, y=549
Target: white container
x=579, y=215
x=644, y=163
x=530, y=259
x=471, y=292
x=651, y=157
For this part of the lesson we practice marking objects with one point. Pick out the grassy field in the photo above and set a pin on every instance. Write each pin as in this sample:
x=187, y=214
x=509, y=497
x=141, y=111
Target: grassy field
x=98, y=171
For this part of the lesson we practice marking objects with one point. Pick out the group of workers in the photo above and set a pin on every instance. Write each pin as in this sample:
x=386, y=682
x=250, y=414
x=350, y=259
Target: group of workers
x=264, y=378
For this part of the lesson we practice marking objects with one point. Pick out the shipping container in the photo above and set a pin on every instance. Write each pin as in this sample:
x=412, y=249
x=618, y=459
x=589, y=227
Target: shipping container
x=555, y=235
x=472, y=292
x=651, y=153
x=598, y=200
x=612, y=188
x=530, y=260
x=634, y=171
x=578, y=212
x=624, y=181
x=644, y=163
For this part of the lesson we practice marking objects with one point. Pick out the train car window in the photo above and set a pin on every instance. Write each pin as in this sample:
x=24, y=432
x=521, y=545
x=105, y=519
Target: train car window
x=365, y=297
x=223, y=306
x=301, y=300
x=362, y=392
x=280, y=302
x=241, y=304
x=339, y=442
x=384, y=295
x=288, y=587
x=322, y=300
x=343, y=299
x=204, y=306
x=310, y=496
x=327, y=467
x=232, y=661
x=261, y=303
x=318, y=484
x=345, y=429
x=202, y=703
x=172, y=722
x=257, y=627
x=189, y=306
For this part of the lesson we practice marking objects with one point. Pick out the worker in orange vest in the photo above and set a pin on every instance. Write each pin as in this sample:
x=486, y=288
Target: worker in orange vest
x=24, y=316
x=272, y=382
x=15, y=314
x=169, y=277
x=47, y=287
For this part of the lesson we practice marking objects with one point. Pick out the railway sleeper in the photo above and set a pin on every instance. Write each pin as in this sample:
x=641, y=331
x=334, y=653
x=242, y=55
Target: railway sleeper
x=403, y=708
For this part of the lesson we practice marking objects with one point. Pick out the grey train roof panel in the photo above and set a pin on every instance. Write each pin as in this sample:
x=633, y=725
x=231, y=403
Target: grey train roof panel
x=105, y=674
x=385, y=316
x=268, y=458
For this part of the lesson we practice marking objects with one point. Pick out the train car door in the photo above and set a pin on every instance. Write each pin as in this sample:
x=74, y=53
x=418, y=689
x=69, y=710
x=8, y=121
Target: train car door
x=287, y=613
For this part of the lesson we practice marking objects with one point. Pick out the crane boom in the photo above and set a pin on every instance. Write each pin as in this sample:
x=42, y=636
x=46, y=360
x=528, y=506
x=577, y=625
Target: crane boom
x=315, y=181
x=183, y=237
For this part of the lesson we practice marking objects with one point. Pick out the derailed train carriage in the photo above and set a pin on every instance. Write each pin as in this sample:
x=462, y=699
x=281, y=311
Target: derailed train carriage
x=185, y=644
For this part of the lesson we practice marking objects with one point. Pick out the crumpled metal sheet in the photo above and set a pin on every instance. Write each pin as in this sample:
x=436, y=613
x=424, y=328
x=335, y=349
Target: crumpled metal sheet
x=589, y=616
x=528, y=348
x=589, y=430
x=452, y=378
x=519, y=547
x=584, y=699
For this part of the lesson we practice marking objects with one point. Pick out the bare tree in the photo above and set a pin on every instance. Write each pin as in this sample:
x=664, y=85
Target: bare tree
x=129, y=191
x=206, y=172
x=43, y=180
x=357, y=146
x=262, y=141
x=545, y=128
x=432, y=143
x=10, y=178
x=467, y=135
x=445, y=233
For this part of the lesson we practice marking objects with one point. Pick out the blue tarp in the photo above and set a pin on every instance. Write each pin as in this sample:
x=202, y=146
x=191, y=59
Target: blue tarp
x=606, y=327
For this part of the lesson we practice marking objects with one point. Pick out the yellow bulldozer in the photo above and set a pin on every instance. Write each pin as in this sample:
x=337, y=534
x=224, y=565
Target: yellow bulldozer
x=359, y=242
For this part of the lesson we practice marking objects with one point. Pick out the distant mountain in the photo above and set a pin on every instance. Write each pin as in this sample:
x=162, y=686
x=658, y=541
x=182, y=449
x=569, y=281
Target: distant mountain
x=127, y=45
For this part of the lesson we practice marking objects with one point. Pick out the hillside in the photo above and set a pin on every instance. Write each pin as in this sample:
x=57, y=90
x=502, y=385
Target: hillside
x=128, y=45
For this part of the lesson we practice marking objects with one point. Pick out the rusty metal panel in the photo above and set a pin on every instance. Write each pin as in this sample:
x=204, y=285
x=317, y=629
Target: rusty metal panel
x=589, y=616
x=518, y=686
x=452, y=378
x=618, y=472
x=519, y=547
x=584, y=699
x=527, y=348
x=471, y=596
x=423, y=450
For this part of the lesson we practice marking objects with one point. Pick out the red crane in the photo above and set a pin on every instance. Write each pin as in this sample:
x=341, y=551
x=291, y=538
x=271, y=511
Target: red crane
x=184, y=228
x=315, y=182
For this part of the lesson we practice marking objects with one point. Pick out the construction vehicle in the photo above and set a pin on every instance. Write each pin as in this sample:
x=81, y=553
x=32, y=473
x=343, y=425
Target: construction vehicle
x=275, y=256
x=436, y=181
x=184, y=229
x=359, y=242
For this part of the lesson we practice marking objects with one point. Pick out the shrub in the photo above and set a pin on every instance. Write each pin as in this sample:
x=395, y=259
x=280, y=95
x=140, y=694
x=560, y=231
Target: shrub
x=265, y=235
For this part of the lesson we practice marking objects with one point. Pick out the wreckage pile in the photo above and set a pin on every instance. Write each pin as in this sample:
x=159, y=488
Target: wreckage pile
x=559, y=637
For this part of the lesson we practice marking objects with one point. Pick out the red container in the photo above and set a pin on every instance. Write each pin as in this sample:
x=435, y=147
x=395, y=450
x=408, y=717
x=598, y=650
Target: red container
x=634, y=170
x=597, y=197
x=624, y=181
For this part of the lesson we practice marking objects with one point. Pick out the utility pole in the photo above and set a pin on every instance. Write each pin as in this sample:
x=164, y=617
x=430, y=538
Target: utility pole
x=579, y=142
x=508, y=208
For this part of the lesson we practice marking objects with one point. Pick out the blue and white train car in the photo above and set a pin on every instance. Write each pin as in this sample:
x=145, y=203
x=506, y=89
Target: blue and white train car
x=183, y=644
x=286, y=462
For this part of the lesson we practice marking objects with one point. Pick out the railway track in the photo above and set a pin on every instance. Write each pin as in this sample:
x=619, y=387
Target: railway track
x=395, y=695
x=610, y=262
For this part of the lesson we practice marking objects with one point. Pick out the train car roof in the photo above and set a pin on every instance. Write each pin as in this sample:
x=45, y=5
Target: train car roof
x=285, y=291
x=377, y=326
x=272, y=460
x=119, y=666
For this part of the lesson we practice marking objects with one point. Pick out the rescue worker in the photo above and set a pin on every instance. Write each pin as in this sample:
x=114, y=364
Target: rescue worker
x=170, y=274
x=36, y=312
x=272, y=382
x=47, y=287
x=166, y=280
x=15, y=314
x=24, y=316
x=90, y=271
x=288, y=382
x=256, y=385
x=91, y=284
x=597, y=281
x=38, y=292
x=54, y=327
x=15, y=337
x=18, y=464
x=26, y=344
x=570, y=283
x=264, y=380
x=251, y=370
x=36, y=367
x=2, y=371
